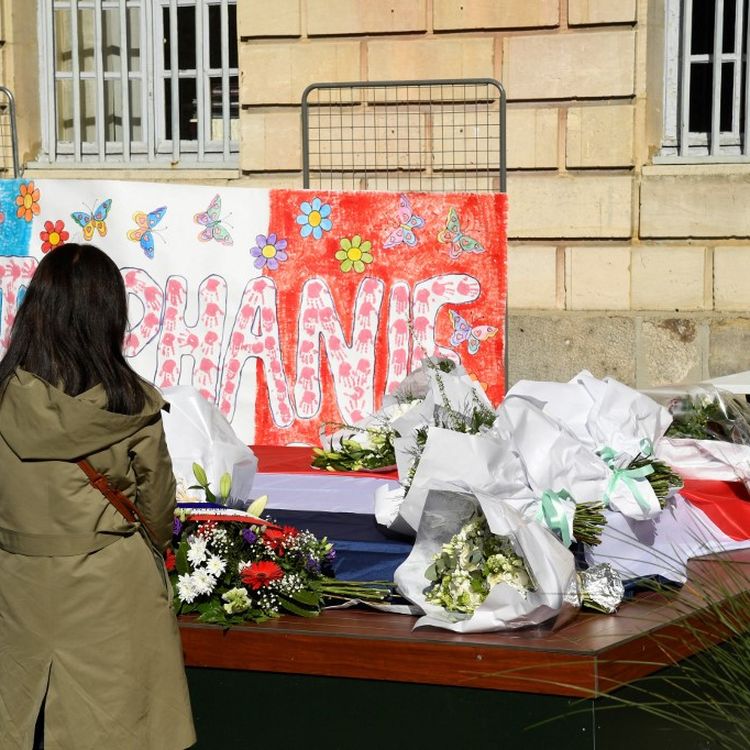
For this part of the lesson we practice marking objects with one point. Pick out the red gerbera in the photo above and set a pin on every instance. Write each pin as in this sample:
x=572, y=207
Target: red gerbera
x=274, y=538
x=260, y=574
x=169, y=559
x=54, y=234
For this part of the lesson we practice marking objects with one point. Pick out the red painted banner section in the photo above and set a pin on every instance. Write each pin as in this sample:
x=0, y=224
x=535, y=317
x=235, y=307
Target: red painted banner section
x=364, y=285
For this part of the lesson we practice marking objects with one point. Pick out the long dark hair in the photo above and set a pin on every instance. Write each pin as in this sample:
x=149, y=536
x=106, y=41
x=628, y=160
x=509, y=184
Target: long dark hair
x=70, y=327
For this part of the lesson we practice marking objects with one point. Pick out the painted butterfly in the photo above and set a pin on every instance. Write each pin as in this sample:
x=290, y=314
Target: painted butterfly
x=94, y=220
x=453, y=236
x=473, y=335
x=211, y=219
x=408, y=221
x=146, y=222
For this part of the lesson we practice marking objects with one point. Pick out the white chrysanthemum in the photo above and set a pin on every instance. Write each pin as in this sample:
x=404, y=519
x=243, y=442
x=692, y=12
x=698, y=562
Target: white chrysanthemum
x=215, y=565
x=196, y=550
x=186, y=588
x=203, y=581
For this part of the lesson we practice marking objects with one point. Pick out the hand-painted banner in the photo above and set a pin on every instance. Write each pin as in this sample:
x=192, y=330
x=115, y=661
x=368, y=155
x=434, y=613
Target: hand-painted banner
x=285, y=308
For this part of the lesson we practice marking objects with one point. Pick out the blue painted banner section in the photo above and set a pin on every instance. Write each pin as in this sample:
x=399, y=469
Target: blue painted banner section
x=15, y=233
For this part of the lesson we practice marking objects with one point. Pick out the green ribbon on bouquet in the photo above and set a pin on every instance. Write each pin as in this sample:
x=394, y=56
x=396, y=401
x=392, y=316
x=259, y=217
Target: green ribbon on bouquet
x=552, y=513
x=630, y=478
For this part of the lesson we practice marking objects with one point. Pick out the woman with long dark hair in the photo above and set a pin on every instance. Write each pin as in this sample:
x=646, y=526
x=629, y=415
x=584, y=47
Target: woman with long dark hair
x=88, y=638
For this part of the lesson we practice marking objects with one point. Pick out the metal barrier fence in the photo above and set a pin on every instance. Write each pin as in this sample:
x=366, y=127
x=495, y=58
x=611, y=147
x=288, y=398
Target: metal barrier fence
x=425, y=135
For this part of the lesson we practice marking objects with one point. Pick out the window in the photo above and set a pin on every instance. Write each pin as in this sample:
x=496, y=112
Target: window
x=139, y=82
x=707, y=86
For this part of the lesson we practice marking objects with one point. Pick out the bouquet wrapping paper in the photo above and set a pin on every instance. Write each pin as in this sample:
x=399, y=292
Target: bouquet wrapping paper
x=549, y=564
x=197, y=432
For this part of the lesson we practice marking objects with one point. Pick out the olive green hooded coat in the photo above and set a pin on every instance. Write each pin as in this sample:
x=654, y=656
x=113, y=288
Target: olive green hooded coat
x=85, y=619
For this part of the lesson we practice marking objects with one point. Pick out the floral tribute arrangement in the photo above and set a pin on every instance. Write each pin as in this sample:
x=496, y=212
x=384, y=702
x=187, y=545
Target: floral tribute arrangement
x=230, y=566
x=470, y=564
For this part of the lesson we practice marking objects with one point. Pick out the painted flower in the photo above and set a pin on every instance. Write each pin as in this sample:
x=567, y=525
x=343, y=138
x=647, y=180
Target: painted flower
x=260, y=574
x=54, y=234
x=27, y=201
x=354, y=253
x=314, y=218
x=269, y=251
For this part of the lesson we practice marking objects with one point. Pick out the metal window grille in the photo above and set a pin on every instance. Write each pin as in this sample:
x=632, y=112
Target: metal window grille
x=9, y=161
x=139, y=81
x=442, y=135
x=707, y=81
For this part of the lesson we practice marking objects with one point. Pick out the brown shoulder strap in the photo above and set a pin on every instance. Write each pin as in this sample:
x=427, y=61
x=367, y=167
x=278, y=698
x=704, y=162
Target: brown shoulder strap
x=123, y=504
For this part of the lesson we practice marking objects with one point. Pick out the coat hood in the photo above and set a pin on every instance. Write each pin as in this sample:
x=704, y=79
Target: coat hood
x=41, y=422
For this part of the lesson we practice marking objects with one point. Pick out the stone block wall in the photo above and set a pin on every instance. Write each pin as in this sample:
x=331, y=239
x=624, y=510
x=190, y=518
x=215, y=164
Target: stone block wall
x=616, y=263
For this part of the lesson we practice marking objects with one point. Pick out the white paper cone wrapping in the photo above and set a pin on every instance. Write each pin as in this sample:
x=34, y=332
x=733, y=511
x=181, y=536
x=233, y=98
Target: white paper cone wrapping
x=463, y=463
x=600, y=413
x=549, y=563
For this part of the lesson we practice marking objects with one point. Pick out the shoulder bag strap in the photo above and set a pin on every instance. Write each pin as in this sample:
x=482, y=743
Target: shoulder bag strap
x=123, y=504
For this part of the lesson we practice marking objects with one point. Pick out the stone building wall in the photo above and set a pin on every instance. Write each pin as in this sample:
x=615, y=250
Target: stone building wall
x=616, y=263
x=638, y=270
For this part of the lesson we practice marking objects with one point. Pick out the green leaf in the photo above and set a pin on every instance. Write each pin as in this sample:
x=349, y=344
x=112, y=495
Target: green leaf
x=200, y=475
x=209, y=495
x=181, y=561
x=290, y=606
x=431, y=573
x=309, y=598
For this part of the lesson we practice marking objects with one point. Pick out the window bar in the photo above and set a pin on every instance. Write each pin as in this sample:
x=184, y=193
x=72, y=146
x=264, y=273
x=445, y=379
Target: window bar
x=715, y=144
x=201, y=44
x=746, y=124
x=49, y=52
x=148, y=42
x=225, y=76
x=75, y=80
x=124, y=82
x=736, y=57
x=174, y=77
x=99, y=83
x=687, y=30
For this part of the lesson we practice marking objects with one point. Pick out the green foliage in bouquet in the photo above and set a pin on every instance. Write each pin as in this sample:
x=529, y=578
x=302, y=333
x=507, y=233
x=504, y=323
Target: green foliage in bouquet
x=711, y=415
x=375, y=452
x=663, y=480
x=588, y=522
x=470, y=564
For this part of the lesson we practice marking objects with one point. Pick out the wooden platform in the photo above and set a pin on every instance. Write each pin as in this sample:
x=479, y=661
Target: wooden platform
x=590, y=656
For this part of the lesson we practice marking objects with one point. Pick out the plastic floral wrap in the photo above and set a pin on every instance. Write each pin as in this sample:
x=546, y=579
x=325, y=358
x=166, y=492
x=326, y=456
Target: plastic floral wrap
x=709, y=437
x=522, y=577
x=198, y=433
